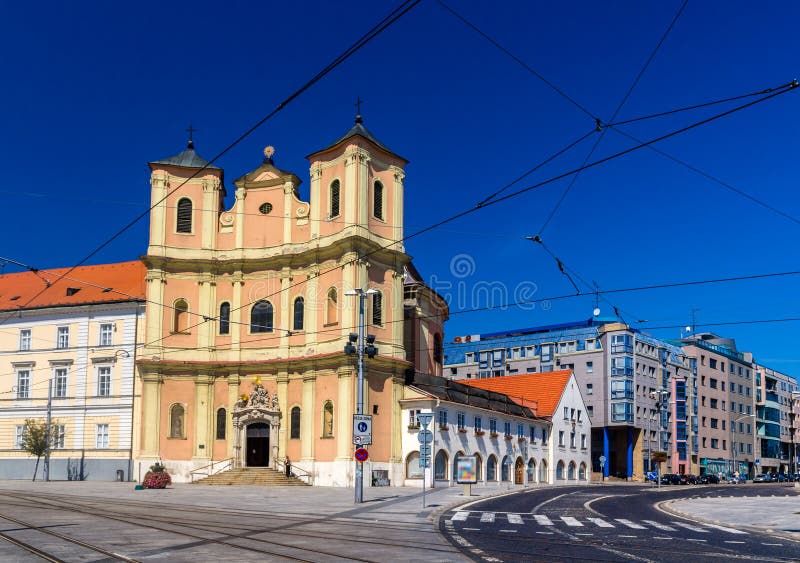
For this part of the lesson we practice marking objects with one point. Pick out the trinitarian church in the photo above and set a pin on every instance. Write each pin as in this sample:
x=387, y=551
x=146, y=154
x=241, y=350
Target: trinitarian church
x=244, y=361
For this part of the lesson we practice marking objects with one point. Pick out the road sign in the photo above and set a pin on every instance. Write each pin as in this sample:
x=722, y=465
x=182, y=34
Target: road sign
x=362, y=429
x=425, y=449
x=362, y=454
x=424, y=419
x=602, y=461
x=425, y=436
x=758, y=462
x=425, y=463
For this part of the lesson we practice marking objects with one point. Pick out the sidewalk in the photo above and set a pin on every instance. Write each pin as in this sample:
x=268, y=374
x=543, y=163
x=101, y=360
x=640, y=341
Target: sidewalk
x=775, y=512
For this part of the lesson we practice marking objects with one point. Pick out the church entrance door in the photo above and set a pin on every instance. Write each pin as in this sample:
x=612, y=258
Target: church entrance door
x=258, y=445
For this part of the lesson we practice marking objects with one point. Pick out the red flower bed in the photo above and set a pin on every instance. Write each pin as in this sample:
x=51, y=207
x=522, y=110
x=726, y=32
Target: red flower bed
x=156, y=480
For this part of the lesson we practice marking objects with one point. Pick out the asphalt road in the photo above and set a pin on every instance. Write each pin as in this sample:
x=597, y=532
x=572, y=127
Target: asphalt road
x=605, y=523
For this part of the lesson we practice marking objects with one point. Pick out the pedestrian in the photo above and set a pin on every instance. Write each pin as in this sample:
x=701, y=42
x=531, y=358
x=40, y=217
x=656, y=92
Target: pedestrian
x=288, y=467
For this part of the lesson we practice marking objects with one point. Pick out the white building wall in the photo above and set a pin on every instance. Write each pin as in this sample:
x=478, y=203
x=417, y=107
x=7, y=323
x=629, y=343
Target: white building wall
x=570, y=416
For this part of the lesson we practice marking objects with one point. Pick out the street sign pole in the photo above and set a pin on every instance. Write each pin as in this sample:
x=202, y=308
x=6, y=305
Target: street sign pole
x=424, y=439
x=362, y=296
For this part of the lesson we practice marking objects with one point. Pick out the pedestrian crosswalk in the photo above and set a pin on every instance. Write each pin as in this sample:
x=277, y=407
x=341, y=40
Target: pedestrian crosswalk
x=522, y=519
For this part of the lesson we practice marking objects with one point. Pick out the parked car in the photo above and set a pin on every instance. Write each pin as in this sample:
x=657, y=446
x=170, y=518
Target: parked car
x=763, y=478
x=666, y=479
x=781, y=478
x=692, y=479
x=708, y=479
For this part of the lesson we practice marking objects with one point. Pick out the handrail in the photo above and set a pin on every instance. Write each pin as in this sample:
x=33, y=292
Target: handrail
x=294, y=471
x=210, y=468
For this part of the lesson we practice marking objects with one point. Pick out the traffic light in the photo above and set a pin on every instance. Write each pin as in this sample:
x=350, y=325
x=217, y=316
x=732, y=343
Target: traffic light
x=370, y=350
x=349, y=349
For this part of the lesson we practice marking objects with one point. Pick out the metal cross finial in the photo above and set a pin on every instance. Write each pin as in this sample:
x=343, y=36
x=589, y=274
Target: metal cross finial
x=191, y=130
x=359, y=101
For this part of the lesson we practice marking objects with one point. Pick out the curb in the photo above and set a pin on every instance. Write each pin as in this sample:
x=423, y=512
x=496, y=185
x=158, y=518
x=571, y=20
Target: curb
x=661, y=506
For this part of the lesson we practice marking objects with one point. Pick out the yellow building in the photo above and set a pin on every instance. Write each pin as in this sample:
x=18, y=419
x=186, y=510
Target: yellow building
x=79, y=338
x=244, y=360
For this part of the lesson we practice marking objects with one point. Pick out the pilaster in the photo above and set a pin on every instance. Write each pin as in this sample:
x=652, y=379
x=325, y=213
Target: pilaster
x=240, y=195
x=397, y=206
x=315, y=200
x=151, y=416
x=344, y=410
x=288, y=201
x=396, y=454
x=283, y=405
x=233, y=397
x=307, y=419
x=350, y=188
x=203, y=389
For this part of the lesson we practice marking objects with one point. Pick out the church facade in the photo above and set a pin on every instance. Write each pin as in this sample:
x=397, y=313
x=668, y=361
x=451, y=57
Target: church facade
x=244, y=360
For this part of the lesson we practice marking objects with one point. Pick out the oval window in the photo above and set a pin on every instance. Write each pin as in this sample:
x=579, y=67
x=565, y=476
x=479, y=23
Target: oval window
x=265, y=208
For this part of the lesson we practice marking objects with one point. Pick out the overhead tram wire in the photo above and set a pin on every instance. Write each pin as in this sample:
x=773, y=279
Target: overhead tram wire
x=537, y=185
x=711, y=177
x=525, y=302
x=376, y=30
x=604, y=125
x=625, y=98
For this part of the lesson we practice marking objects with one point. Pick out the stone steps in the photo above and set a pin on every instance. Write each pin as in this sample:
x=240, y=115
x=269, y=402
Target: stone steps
x=253, y=476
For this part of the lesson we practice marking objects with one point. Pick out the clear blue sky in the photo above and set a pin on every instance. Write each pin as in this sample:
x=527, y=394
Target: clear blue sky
x=92, y=91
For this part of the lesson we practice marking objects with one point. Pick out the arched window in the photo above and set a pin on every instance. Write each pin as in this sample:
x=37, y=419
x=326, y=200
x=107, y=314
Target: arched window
x=437, y=348
x=299, y=313
x=225, y=318
x=377, y=200
x=413, y=470
x=531, y=470
x=335, y=198
x=440, y=466
x=332, y=307
x=294, y=431
x=543, y=472
x=327, y=420
x=491, y=468
x=184, y=220
x=560, y=471
x=582, y=472
x=504, y=467
x=479, y=465
x=571, y=470
x=177, y=426
x=222, y=422
x=261, y=317
x=181, y=316
x=377, y=309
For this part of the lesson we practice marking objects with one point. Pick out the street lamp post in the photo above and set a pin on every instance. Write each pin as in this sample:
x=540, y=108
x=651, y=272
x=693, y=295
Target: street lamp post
x=661, y=396
x=360, y=349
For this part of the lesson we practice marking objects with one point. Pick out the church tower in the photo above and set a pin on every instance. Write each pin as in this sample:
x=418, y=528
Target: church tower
x=245, y=353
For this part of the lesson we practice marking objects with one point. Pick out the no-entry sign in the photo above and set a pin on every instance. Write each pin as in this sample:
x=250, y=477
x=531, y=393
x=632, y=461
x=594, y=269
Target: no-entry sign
x=362, y=454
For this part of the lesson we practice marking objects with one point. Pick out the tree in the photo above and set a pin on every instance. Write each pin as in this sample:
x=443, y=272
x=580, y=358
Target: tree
x=34, y=439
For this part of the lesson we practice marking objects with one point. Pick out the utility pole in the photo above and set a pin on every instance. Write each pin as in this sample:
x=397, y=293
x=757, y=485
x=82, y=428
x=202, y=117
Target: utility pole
x=47, y=430
x=360, y=349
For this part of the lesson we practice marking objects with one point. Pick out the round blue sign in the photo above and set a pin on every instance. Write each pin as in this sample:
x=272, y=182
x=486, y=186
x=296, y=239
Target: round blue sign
x=362, y=426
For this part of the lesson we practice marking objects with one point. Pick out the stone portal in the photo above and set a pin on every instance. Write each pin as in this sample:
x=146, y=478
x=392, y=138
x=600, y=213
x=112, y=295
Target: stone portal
x=256, y=418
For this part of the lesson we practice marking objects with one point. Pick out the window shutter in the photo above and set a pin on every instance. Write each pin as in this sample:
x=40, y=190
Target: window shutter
x=378, y=201
x=335, y=199
x=184, y=216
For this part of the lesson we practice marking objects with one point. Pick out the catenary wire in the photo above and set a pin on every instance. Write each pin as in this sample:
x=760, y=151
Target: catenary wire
x=378, y=28
x=537, y=185
x=599, y=139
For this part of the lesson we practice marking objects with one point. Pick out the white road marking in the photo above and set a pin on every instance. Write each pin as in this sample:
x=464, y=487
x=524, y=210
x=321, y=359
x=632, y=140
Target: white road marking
x=600, y=522
x=662, y=537
x=461, y=515
x=724, y=529
x=690, y=527
x=546, y=533
x=514, y=519
x=780, y=544
x=733, y=541
x=509, y=531
x=487, y=517
x=472, y=529
x=583, y=534
x=694, y=539
x=659, y=525
x=624, y=536
x=630, y=524
x=570, y=521
x=543, y=520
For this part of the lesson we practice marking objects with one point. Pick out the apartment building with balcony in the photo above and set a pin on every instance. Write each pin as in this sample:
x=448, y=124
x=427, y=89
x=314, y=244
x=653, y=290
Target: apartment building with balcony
x=774, y=438
x=622, y=374
x=75, y=332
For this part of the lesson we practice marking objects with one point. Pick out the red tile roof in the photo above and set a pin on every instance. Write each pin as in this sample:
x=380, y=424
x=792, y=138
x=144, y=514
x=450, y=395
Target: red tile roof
x=545, y=389
x=103, y=283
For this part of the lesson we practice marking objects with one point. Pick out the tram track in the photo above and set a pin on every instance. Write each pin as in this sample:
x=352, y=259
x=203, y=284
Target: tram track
x=228, y=540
